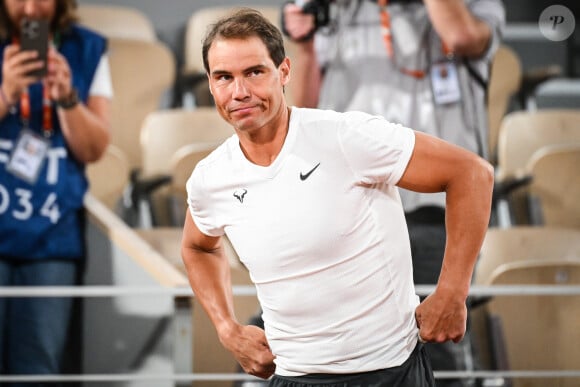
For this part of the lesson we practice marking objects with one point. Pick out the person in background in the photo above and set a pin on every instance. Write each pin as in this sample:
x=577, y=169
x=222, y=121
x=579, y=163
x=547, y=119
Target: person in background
x=309, y=200
x=51, y=126
x=424, y=64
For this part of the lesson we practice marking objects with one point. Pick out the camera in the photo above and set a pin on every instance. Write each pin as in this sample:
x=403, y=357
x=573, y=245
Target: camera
x=319, y=8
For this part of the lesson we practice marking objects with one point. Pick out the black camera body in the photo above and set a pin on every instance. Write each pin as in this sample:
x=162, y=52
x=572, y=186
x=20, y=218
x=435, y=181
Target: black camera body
x=321, y=11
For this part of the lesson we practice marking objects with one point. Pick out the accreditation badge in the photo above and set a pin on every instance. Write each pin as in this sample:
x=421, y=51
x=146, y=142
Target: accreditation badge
x=28, y=156
x=445, y=83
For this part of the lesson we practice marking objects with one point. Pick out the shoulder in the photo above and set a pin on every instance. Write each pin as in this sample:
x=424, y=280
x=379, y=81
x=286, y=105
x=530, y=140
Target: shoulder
x=85, y=36
x=319, y=118
x=212, y=172
x=220, y=159
x=490, y=11
x=84, y=31
x=346, y=130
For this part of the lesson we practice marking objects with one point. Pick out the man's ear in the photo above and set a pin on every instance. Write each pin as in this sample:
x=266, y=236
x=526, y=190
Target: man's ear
x=209, y=82
x=284, y=69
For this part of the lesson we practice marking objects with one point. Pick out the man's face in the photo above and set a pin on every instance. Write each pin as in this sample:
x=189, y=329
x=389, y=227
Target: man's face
x=246, y=85
x=31, y=9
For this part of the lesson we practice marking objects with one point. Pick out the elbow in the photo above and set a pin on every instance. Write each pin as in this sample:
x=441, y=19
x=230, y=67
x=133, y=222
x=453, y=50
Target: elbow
x=97, y=150
x=473, y=182
x=92, y=157
x=485, y=176
x=490, y=172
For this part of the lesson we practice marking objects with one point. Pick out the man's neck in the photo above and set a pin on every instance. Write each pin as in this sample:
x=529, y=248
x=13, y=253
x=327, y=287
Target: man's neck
x=263, y=146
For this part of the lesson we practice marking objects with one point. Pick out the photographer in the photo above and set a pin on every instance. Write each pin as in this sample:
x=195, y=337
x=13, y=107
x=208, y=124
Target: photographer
x=52, y=123
x=423, y=64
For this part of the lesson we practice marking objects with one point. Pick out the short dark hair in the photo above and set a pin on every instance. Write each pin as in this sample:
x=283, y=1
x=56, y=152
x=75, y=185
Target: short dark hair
x=242, y=24
x=64, y=16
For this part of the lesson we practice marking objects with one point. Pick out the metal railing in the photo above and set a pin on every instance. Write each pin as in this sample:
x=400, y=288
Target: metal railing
x=116, y=291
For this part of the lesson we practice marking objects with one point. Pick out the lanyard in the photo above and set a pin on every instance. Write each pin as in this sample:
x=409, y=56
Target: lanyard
x=388, y=40
x=46, y=111
x=25, y=108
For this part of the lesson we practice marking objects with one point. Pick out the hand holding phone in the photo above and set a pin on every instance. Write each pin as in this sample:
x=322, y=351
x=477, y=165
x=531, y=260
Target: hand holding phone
x=34, y=37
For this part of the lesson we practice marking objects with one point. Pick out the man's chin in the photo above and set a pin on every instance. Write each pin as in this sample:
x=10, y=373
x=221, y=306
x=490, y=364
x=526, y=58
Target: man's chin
x=243, y=126
x=242, y=122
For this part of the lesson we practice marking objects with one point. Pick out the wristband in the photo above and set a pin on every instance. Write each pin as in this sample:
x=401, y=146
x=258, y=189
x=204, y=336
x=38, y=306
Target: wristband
x=70, y=101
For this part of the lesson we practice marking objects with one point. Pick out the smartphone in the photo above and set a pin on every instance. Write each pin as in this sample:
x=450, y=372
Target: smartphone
x=34, y=37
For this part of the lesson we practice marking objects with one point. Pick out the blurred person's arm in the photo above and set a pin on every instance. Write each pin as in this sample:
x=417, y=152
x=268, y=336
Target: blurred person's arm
x=16, y=65
x=462, y=32
x=306, y=73
x=85, y=127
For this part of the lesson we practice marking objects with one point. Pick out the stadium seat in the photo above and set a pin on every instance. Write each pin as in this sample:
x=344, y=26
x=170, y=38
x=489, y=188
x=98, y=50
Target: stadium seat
x=505, y=81
x=109, y=177
x=164, y=132
x=541, y=331
x=520, y=243
x=117, y=21
x=554, y=192
x=509, y=246
x=182, y=164
x=142, y=72
x=521, y=134
x=558, y=93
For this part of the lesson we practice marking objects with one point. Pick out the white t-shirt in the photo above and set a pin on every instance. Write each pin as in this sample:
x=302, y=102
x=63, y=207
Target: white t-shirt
x=102, y=85
x=322, y=233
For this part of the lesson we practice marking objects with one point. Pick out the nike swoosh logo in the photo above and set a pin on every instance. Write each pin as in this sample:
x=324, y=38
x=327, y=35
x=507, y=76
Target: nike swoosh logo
x=305, y=176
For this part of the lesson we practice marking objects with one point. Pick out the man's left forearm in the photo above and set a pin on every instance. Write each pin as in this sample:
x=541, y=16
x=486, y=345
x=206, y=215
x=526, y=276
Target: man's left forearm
x=468, y=210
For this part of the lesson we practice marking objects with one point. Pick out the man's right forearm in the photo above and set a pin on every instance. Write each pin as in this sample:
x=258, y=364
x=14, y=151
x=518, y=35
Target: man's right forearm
x=209, y=276
x=208, y=271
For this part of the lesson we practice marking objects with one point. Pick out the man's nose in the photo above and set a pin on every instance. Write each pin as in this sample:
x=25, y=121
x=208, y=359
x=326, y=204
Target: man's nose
x=241, y=90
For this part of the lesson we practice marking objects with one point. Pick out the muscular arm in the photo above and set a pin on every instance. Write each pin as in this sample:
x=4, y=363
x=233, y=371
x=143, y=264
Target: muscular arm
x=85, y=127
x=208, y=271
x=467, y=179
x=461, y=31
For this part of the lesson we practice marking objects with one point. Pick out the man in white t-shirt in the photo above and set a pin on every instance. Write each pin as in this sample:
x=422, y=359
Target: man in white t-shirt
x=309, y=200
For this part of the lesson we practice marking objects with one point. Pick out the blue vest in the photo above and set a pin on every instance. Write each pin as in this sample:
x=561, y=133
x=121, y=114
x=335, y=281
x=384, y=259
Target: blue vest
x=45, y=219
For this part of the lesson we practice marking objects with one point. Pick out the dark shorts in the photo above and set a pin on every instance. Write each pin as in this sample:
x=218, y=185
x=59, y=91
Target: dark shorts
x=415, y=371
